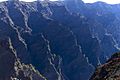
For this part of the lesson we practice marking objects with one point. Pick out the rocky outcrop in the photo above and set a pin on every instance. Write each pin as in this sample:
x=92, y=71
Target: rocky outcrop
x=10, y=66
x=110, y=70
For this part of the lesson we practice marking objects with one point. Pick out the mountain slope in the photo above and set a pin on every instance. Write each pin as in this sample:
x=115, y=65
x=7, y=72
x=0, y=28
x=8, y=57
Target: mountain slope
x=110, y=70
x=10, y=66
x=60, y=41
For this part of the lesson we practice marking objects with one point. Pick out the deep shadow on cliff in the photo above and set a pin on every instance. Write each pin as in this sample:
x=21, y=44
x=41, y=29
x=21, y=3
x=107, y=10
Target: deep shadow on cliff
x=55, y=41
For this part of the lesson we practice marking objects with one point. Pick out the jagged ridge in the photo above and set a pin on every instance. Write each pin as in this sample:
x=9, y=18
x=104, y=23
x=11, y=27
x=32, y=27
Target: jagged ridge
x=60, y=43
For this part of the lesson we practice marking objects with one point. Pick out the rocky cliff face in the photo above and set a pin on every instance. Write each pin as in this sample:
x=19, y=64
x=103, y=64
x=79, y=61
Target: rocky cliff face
x=110, y=70
x=56, y=40
x=10, y=66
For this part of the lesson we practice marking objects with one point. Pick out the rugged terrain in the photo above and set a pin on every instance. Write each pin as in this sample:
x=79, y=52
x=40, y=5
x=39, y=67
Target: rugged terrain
x=56, y=41
x=110, y=70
